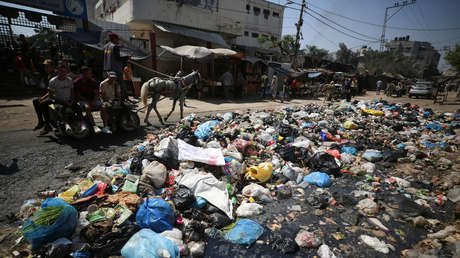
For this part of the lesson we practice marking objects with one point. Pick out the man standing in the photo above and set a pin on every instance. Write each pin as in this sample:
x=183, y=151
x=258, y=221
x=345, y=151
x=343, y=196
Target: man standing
x=49, y=74
x=87, y=93
x=274, y=86
x=113, y=62
x=379, y=86
x=263, y=85
x=109, y=90
x=227, y=81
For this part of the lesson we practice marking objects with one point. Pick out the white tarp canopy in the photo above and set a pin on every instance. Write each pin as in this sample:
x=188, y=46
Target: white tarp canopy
x=195, y=52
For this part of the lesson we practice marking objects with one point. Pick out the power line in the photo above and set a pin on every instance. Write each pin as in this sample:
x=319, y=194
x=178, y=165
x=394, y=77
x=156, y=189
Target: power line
x=341, y=26
x=334, y=28
x=321, y=34
x=379, y=25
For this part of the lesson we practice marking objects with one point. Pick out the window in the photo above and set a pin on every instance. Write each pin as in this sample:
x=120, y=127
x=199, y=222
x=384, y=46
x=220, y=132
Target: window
x=275, y=14
x=248, y=8
x=266, y=13
x=274, y=38
x=246, y=33
x=256, y=11
x=255, y=35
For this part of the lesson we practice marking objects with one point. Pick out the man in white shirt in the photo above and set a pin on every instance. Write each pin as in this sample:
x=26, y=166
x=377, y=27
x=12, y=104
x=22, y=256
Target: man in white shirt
x=227, y=81
x=379, y=86
x=60, y=91
x=274, y=86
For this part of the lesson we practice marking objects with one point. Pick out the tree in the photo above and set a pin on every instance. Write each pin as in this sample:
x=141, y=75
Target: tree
x=315, y=55
x=346, y=56
x=453, y=57
x=286, y=44
x=377, y=62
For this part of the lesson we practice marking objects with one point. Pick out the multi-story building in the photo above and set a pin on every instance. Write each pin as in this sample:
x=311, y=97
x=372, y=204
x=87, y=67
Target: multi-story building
x=422, y=53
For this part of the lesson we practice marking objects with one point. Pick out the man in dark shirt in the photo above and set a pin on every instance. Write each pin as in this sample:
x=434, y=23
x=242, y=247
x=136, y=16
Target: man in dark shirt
x=87, y=93
x=113, y=61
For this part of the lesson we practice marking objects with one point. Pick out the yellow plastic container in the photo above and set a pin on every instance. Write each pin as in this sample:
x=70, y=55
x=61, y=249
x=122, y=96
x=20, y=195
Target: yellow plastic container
x=262, y=172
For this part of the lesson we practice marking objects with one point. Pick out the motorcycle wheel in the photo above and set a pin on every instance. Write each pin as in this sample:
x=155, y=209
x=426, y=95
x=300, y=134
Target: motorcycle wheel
x=129, y=121
x=77, y=133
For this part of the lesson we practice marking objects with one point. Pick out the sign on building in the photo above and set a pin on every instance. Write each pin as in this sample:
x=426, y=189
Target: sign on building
x=71, y=8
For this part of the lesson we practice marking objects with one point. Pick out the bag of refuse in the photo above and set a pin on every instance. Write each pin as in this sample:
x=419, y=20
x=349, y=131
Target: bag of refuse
x=249, y=209
x=183, y=198
x=349, y=150
x=155, y=214
x=211, y=156
x=208, y=187
x=282, y=243
x=319, y=179
x=219, y=220
x=59, y=248
x=245, y=232
x=372, y=155
x=233, y=168
x=56, y=219
x=174, y=235
x=373, y=112
x=261, y=172
x=393, y=155
x=110, y=243
x=324, y=162
x=167, y=152
x=258, y=192
x=147, y=243
x=205, y=130
x=187, y=135
x=154, y=173
x=350, y=125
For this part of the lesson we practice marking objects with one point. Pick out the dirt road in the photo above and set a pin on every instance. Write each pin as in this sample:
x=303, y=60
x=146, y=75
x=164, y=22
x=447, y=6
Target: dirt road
x=29, y=164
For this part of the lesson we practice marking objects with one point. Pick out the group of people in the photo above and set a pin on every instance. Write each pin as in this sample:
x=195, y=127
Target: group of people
x=345, y=88
x=82, y=92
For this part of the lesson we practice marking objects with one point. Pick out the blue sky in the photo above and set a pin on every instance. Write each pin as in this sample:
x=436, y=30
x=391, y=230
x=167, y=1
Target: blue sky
x=422, y=15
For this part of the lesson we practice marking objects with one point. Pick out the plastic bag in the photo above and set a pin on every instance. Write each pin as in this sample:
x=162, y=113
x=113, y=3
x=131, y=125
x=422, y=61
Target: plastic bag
x=307, y=239
x=245, y=232
x=147, y=243
x=322, y=161
x=375, y=243
x=219, y=220
x=209, y=156
x=62, y=227
x=325, y=252
x=257, y=191
x=233, y=168
x=372, y=155
x=167, y=152
x=319, y=179
x=261, y=172
x=183, y=198
x=373, y=112
x=349, y=150
x=350, y=125
x=154, y=173
x=205, y=130
x=249, y=209
x=155, y=214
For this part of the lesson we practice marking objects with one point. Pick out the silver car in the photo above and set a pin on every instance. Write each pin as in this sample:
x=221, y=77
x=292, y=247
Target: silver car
x=423, y=89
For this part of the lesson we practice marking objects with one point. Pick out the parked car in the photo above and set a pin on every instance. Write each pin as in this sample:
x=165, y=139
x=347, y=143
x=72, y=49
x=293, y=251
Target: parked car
x=421, y=89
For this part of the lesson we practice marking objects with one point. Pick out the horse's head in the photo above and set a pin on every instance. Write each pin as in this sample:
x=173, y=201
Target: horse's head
x=192, y=78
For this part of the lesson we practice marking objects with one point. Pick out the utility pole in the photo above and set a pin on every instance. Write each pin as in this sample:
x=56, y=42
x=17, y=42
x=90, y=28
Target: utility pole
x=399, y=5
x=297, y=36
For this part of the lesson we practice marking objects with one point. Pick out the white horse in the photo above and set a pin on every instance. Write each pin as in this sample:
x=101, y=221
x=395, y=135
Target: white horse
x=176, y=89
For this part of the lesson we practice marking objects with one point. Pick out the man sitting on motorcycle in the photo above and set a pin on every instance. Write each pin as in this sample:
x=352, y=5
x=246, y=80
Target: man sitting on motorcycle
x=60, y=91
x=87, y=93
x=110, y=91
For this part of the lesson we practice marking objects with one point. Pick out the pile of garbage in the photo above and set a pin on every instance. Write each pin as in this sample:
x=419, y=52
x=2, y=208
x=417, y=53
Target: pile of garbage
x=361, y=179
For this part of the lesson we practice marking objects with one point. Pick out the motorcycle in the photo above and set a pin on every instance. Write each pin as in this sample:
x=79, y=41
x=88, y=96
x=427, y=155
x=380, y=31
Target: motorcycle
x=77, y=128
x=124, y=117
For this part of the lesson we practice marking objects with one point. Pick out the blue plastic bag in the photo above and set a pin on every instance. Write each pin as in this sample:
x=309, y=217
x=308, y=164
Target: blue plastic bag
x=62, y=227
x=401, y=146
x=204, y=130
x=245, y=232
x=92, y=190
x=199, y=203
x=349, y=150
x=147, y=243
x=435, y=127
x=319, y=179
x=155, y=214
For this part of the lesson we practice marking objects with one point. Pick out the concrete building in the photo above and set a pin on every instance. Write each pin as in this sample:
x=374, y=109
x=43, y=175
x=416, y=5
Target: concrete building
x=422, y=53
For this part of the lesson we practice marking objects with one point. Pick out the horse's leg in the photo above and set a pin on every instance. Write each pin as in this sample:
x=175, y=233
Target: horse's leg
x=154, y=104
x=181, y=105
x=149, y=109
x=172, y=110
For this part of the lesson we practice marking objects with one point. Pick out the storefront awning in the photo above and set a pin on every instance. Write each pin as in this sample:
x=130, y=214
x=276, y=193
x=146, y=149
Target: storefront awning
x=192, y=33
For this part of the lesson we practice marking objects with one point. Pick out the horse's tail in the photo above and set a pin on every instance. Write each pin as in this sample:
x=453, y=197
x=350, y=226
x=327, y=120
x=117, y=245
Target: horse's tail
x=145, y=92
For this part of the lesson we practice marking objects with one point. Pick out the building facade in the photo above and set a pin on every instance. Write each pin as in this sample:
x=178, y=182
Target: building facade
x=422, y=53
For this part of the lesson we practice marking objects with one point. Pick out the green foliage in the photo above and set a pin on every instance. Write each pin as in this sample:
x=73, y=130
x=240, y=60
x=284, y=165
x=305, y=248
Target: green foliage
x=453, y=58
x=286, y=44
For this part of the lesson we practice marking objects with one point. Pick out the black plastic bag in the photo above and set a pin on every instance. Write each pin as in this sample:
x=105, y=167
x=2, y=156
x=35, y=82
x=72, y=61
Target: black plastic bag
x=187, y=135
x=324, y=162
x=219, y=220
x=183, y=198
x=194, y=231
x=393, y=155
x=318, y=200
x=111, y=243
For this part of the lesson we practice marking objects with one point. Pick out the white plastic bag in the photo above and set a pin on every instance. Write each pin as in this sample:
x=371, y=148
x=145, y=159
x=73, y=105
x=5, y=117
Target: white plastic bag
x=249, y=209
x=209, y=156
x=154, y=173
x=257, y=191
